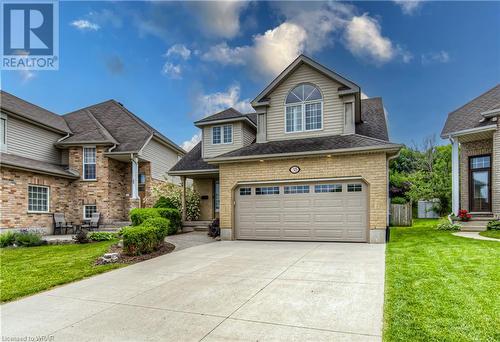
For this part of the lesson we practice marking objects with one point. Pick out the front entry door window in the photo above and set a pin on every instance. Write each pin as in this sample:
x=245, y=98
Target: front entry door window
x=216, y=196
x=480, y=183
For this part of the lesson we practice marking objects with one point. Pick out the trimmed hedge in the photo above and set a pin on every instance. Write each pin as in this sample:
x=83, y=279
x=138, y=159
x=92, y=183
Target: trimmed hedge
x=145, y=238
x=140, y=215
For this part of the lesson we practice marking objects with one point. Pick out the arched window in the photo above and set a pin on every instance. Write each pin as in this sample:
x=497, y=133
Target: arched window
x=303, y=109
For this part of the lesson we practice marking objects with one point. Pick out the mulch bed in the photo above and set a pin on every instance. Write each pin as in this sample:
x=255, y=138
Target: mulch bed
x=132, y=259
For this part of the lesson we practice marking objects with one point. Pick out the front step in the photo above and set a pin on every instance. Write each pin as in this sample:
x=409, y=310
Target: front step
x=475, y=224
x=196, y=225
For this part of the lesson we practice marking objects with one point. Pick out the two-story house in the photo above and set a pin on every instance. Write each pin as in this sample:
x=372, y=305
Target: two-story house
x=474, y=132
x=310, y=164
x=100, y=159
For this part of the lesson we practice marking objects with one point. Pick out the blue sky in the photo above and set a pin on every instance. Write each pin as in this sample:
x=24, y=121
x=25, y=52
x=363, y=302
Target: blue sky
x=173, y=63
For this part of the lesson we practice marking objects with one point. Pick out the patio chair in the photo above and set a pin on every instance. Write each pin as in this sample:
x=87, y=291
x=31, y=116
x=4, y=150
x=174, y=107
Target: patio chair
x=60, y=223
x=93, y=224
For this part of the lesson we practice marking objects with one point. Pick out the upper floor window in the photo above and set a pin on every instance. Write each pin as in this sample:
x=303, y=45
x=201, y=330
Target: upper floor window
x=303, y=109
x=222, y=134
x=89, y=163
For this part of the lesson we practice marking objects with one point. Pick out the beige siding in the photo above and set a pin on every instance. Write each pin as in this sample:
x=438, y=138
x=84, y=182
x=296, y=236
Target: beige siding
x=248, y=134
x=261, y=128
x=211, y=150
x=162, y=159
x=333, y=108
x=495, y=186
x=31, y=141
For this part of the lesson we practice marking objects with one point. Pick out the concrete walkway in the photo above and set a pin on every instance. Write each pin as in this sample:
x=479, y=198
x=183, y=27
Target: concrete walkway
x=188, y=240
x=474, y=235
x=224, y=291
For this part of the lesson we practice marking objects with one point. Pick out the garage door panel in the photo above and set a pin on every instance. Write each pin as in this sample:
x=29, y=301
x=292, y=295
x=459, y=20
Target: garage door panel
x=323, y=216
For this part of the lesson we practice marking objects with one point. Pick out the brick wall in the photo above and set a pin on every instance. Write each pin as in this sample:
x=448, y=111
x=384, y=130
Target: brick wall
x=469, y=149
x=371, y=166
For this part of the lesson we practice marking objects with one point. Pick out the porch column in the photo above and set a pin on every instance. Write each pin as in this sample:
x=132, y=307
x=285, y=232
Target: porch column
x=135, y=177
x=183, y=198
x=455, y=166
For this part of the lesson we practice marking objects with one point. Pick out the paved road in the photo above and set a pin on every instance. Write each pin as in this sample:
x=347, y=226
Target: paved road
x=230, y=290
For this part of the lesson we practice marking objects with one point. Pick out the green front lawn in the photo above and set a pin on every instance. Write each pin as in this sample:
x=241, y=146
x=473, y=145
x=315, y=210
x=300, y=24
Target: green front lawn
x=495, y=234
x=25, y=271
x=440, y=287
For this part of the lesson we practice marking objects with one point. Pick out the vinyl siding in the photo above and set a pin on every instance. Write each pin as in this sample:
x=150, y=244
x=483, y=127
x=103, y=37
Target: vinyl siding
x=31, y=141
x=248, y=135
x=333, y=107
x=162, y=159
x=211, y=150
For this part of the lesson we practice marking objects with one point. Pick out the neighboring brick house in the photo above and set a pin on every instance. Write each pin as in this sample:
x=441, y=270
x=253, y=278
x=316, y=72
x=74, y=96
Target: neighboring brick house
x=474, y=131
x=100, y=158
x=310, y=164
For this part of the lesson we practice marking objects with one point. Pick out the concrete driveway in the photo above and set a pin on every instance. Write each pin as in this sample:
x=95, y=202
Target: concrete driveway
x=224, y=291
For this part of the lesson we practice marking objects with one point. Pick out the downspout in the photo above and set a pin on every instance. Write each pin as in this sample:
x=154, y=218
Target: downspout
x=65, y=137
x=112, y=148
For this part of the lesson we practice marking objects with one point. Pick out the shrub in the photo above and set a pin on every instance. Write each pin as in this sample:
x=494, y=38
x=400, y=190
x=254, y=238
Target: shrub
x=81, y=237
x=174, y=216
x=26, y=239
x=172, y=194
x=398, y=200
x=101, y=236
x=445, y=224
x=164, y=202
x=7, y=239
x=493, y=225
x=139, y=215
x=145, y=238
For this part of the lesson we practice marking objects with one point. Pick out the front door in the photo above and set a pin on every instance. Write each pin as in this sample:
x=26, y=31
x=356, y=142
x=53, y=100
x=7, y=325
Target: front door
x=480, y=183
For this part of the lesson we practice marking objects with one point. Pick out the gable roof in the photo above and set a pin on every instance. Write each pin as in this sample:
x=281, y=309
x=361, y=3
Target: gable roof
x=348, y=86
x=469, y=116
x=110, y=122
x=227, y=115
x=192, y=161
x=373, y=121
x=33, y=113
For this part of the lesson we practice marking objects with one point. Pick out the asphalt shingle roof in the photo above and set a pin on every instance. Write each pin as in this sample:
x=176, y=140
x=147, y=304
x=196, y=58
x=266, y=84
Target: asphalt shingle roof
x=8, y=159
x=193, y=161
x=228, y=114
x=469, y=115
x=373, y=121
x=32, y=112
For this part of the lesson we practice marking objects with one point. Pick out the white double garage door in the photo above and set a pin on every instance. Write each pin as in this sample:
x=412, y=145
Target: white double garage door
x=309, y=211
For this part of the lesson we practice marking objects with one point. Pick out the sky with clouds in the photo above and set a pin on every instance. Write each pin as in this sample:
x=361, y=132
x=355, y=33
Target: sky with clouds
x=174, y=62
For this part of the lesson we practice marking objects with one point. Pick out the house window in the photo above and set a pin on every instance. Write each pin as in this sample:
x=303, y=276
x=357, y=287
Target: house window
x=89, y=163
x=328, y=188
x=354, y=187
x=269, y=190
x=142, y=182
x=303, y=109
x=216, y=196
x=349, y=117
x=480, y=162
x=216, y=135
x=228, y=134
x=297, y=189
x=88, y=210
x=245, y=191
x=38, y=199
x=3, y=133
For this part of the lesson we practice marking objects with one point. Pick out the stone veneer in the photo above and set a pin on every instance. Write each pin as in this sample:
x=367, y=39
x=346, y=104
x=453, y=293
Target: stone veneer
x=110, y=193
x=372, y=167
x=469, y=149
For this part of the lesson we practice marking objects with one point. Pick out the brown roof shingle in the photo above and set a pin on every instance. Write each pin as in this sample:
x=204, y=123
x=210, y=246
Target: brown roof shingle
x=7, y=159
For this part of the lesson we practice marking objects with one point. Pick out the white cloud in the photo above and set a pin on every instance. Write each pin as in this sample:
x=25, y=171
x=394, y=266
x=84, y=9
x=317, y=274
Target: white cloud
x=173, y=71
x=178, y=50
x=226, y=55
x=409, y=7
x=208, y=104
x=364, y=39
x=189, y=144
x=435, y=57
x=220, y=18
x=85, y=25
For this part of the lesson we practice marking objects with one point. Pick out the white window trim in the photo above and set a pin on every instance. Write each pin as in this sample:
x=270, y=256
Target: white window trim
x=84, y=207
x=83, y=164
x=222, y=135
x=4, y=146
x=48, y=200
x=303, y=104
x=353, y=128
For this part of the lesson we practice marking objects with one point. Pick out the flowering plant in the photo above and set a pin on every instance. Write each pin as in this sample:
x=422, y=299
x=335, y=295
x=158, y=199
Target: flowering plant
x=464, y=215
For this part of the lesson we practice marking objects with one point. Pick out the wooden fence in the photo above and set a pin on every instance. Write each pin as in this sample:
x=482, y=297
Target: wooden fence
x=401, y=215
